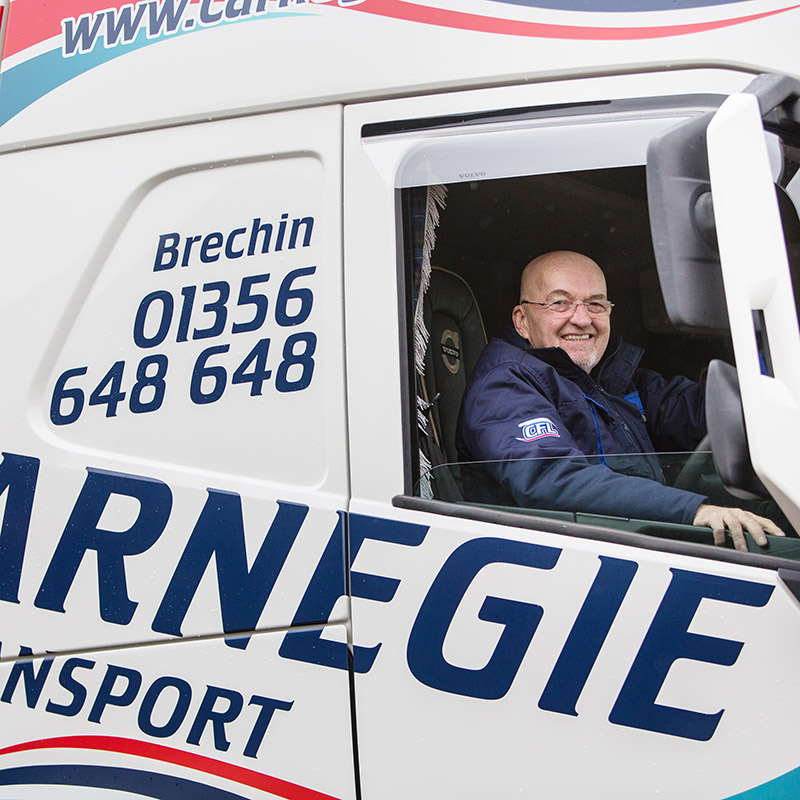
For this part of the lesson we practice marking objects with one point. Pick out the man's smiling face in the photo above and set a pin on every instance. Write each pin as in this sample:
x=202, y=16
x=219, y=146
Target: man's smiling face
x=574, y=278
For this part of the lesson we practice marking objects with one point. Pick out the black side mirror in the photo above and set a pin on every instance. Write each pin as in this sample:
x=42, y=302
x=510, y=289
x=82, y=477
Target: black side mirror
x=682, y=209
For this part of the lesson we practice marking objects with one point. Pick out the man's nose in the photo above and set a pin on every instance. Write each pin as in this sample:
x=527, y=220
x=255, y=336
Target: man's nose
x=580, y=316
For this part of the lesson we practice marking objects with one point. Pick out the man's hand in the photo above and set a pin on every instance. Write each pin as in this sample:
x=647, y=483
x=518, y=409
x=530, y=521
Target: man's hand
x=736, y=521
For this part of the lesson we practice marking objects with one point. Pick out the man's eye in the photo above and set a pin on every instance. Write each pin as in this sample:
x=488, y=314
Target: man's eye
x=596, y=308
x=560, y=305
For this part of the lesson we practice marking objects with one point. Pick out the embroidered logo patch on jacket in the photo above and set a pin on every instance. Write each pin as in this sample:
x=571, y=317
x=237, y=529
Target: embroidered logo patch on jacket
x=538, y=428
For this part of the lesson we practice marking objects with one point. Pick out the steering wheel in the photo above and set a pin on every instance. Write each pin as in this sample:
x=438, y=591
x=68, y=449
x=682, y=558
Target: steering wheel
x=699, y=474
x=699, y=463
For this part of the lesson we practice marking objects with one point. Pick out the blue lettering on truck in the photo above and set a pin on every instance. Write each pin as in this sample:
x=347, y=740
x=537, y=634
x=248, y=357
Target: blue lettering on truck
x=208, y=310
x=219, y=532
x=156, y=18
x=224, y=712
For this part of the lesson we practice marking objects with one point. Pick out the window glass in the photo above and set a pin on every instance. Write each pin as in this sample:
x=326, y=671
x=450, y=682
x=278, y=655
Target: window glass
x=486, y=484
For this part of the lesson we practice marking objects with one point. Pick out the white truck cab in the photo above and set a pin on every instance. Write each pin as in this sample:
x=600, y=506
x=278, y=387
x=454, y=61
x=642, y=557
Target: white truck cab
x=251, y=252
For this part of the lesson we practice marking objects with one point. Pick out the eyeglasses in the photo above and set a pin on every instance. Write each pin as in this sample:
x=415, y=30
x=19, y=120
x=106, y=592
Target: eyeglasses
x=595, y=308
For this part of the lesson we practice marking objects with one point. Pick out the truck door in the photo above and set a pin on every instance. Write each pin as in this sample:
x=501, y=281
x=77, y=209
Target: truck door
x=500, y=649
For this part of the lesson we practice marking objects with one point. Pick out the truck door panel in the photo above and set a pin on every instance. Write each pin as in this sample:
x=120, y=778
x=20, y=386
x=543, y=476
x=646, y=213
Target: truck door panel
x=518, y=646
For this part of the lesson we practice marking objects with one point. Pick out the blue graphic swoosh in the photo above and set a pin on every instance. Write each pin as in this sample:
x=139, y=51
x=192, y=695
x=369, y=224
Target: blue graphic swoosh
x=135, y=781
x=22, y=85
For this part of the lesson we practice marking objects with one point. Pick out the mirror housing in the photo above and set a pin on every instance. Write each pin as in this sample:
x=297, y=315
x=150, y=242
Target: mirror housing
x=682, y=210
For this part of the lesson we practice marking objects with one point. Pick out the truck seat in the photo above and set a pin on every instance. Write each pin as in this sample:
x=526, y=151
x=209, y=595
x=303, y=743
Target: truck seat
x=457, y=337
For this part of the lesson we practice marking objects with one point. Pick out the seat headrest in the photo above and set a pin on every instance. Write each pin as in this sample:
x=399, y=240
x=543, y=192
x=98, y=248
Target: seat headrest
x=457, y=337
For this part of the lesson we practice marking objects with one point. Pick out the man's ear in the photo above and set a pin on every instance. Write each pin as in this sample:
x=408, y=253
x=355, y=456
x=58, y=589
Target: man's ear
x=520, y=322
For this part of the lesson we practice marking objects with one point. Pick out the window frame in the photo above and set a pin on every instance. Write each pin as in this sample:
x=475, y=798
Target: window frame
x=388, y=120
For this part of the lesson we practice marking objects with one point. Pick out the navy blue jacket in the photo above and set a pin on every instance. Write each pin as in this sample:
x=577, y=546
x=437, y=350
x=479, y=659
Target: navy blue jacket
x=522, y=408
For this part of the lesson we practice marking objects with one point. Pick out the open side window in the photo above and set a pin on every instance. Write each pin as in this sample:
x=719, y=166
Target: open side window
x=477, y=196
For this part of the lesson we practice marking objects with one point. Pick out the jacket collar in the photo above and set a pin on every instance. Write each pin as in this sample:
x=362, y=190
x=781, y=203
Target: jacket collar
x=613, y=373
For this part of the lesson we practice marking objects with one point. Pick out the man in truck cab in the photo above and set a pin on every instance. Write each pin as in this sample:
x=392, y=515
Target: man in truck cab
x=571, y=422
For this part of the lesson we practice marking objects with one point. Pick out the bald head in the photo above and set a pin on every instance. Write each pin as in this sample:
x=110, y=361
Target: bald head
x=563, y=275
x=540, y=272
